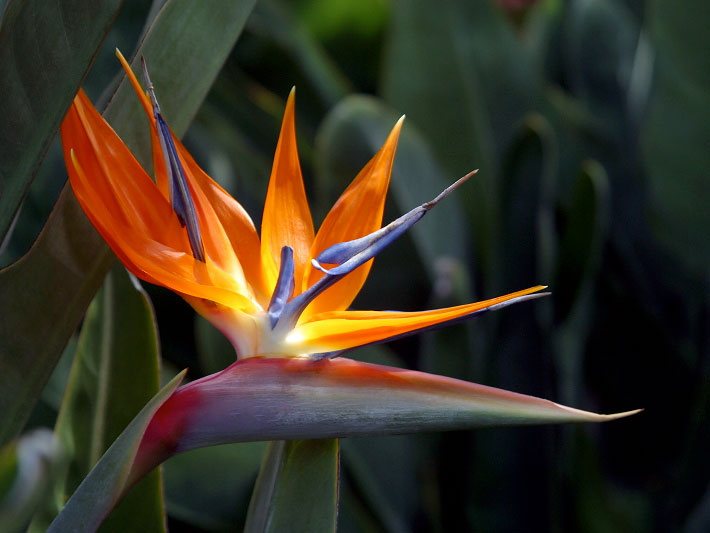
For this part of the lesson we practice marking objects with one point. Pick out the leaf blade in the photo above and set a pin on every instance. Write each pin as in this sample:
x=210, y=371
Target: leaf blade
x=105, y=393
x=297, y=488
x=102, y=488
x=45, y=52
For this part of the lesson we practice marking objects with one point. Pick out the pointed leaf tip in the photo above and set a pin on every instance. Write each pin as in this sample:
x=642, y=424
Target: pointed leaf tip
x=598, y=417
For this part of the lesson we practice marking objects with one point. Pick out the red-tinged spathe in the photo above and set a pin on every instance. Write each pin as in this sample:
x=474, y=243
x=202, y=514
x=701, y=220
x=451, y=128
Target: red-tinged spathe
x=274, y=398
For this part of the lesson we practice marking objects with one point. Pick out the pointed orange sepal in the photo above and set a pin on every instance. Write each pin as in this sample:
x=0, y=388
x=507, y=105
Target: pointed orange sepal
x=358, y=212
x=287, y=218
x=342, y=330
x=228, y=229
x=129, y=212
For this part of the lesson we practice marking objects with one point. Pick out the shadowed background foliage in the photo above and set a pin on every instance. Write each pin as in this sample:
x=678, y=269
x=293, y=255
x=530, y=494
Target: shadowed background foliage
x=588, y=120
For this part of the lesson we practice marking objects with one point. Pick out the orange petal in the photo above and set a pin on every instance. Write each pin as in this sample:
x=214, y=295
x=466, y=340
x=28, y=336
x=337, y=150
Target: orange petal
x=236, y=222
x=228, y=229
x=129, y=212
x=357, y=213
x=287, y=219
x=118, y=181
x=159, y=169
x=341, y=330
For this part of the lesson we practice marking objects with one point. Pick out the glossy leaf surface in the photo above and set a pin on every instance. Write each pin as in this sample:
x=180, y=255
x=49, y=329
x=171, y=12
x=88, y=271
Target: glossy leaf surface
x=105, y=392
x=297, y=488
x=107, y=482
x=45, y=52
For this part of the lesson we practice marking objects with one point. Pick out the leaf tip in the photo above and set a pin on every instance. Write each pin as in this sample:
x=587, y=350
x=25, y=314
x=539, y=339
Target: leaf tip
x=587, y=416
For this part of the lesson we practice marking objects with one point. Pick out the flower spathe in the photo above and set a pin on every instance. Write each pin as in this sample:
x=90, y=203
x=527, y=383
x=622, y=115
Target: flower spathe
x=235, y=283
x=278, y=398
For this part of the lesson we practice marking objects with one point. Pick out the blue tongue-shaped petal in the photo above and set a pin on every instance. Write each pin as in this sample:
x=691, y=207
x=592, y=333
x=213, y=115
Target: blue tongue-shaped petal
x=180, y=197
x=285, y=285
x=351, y=254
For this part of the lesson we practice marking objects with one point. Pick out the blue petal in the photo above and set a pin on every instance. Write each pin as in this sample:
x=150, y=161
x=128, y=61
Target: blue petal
x=180, y=197
x=351, y=254
x=284, y=286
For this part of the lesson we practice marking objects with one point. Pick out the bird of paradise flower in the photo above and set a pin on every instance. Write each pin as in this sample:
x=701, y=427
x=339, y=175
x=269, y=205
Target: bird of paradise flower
x=282, y=298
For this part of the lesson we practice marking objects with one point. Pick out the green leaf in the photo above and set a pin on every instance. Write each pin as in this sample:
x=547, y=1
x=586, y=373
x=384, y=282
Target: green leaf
x=27, y=469
x=383, y=472
x=586, y=226
x=107, y=481
x=599, y=42
x=210, y=487
x=44, y=295
x=587, y=219
x=114, y=374
x=452, y=115
x=297, y=488
x=275, y=20
x=458, y=71
x=353, y=131
x=45, y=52
x=527, y=243
x=181, y=70
x=674, y=138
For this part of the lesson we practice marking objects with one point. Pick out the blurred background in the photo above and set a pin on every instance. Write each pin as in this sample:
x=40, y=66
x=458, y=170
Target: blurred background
x=589, y=122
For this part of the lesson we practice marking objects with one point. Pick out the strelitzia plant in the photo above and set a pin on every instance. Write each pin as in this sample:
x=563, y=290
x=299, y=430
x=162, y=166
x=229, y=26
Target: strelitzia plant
x=280, y=297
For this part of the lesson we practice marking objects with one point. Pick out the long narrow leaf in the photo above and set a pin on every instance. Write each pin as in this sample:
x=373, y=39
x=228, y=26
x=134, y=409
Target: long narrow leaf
x=109, y=479
x=297, y=488
x=46, y=50
x=114, y=374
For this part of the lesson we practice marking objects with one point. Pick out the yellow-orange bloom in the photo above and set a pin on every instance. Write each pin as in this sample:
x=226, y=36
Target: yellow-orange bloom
x=284, y=293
